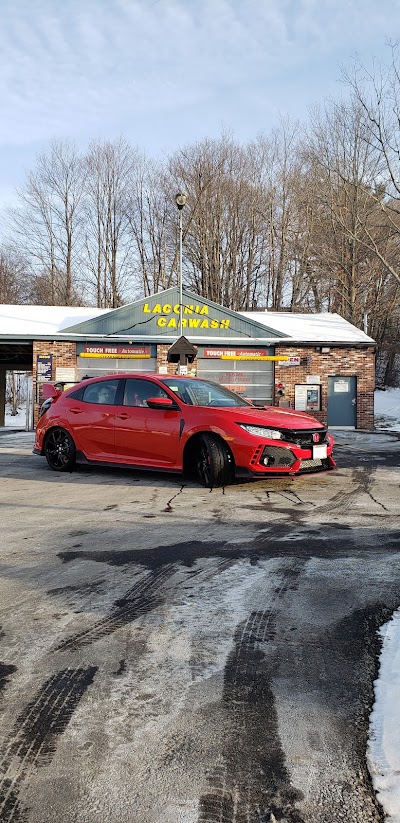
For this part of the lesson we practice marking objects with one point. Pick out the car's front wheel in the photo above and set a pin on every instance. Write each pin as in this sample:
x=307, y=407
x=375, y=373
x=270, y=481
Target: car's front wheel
x=213, y=462
x=60, y=451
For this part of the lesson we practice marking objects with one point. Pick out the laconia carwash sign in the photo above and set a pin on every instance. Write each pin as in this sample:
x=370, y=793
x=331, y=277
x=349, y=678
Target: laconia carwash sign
x=194, y=316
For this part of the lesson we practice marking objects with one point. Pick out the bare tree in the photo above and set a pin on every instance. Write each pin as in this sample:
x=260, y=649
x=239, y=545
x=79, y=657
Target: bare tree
x=342, y=170
x=377, y=93
x=109, y=180
x=223, y=246
x=150, y=214
x=47, y=221
x=276, y=157
x=14, y=277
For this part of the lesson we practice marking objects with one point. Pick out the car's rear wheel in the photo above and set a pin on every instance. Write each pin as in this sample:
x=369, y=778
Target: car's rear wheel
x=213, y=462
x=60, y=451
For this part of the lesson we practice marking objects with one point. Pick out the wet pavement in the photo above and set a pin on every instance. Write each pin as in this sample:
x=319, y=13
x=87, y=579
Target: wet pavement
x=369, y=440
x=174, y=655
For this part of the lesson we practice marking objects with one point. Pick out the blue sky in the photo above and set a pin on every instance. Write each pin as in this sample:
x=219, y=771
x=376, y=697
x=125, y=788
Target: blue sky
x=164, y=73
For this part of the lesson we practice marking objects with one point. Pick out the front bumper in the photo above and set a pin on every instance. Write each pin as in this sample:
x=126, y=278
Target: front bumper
x=285, y=459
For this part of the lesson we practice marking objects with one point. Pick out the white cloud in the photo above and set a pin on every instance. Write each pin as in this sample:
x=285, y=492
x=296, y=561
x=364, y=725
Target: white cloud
x=109, y=66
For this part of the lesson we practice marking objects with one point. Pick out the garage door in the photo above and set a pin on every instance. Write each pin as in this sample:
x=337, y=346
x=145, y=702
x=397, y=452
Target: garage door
x=95, y=360
x=244, y=370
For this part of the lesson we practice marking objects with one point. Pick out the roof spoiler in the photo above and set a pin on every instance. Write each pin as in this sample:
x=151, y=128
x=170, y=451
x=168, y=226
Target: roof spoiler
x=49, y=390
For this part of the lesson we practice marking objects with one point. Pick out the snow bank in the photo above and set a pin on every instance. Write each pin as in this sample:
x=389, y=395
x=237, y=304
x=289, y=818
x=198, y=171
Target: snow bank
x=384, y=749
x=387, y=410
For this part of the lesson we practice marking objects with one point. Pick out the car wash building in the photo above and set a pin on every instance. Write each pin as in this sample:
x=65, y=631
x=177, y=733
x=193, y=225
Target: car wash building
x=318, y=363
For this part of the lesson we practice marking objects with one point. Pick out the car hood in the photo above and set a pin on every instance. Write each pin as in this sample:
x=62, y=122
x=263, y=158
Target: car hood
x=273, y=416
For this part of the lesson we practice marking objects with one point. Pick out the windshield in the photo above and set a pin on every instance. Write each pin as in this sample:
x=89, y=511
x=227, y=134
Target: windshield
x=203, y=393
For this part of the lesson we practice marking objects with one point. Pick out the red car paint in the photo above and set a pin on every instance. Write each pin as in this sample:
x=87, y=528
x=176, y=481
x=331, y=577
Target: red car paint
x=172, y=435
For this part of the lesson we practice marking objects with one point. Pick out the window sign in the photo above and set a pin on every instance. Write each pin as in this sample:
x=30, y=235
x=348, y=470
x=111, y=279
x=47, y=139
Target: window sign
x=300, y=397
x=234, y=387
x=116, y=352
x=290, y=361
x=307, y=397
x=44, y=367
x=44, y=373
x=238, y=354
x=65, y=374
x=341, y=386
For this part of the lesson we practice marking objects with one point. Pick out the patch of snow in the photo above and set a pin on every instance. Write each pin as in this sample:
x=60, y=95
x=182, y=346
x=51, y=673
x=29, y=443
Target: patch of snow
x=383, y=748
x=387, y=410
x=15, y=421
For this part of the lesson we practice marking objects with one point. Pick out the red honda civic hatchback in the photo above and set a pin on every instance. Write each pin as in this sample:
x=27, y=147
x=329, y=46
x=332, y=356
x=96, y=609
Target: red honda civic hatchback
x=177, y=424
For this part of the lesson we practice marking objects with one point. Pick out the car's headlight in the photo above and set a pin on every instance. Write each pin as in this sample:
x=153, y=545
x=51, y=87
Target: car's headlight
x=262, y=431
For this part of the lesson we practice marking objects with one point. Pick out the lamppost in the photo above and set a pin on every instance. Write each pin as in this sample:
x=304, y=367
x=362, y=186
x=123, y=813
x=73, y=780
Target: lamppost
x=180, y=201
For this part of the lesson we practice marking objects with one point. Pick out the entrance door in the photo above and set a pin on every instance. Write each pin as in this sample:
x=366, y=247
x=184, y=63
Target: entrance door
x=342, y=399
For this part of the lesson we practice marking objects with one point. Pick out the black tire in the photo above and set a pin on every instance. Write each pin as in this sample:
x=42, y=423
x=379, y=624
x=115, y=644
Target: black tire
x=213, y=462
x=60, y=451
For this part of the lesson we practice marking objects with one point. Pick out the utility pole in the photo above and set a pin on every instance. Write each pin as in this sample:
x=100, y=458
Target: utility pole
x=180, y=201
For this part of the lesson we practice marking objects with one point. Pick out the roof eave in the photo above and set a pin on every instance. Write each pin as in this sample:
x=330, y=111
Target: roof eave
x=195, y=339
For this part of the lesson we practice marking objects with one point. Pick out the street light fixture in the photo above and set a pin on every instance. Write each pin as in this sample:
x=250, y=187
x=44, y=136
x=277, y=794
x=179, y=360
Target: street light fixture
x=180, y=201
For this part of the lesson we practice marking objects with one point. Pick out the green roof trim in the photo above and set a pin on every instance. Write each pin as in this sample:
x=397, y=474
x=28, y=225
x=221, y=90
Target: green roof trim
x=159, y=315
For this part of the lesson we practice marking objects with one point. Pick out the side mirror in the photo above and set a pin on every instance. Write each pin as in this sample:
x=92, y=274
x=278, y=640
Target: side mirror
x=165, y=403
x=50, y=391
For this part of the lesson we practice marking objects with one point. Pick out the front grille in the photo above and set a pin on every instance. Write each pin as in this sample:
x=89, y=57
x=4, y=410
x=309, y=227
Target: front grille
x=314, y=466
x=303, y=437
x=277, y=457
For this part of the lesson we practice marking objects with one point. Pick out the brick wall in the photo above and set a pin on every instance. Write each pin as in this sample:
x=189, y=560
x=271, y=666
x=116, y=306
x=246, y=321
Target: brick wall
x=64, y=355
x=359, y=363
x=338, y=361
x=162, y=352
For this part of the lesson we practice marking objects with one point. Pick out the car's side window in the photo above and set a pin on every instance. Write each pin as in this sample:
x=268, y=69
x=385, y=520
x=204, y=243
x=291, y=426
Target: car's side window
x=77, y=394
x=137, y=392
x=101, y=393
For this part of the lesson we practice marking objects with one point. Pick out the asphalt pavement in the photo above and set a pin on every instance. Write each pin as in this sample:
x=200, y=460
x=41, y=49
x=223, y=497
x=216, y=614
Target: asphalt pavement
x=174, y=655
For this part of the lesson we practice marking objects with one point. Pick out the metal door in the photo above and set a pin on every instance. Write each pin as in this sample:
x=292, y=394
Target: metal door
x=251, y=378
x=342, y=399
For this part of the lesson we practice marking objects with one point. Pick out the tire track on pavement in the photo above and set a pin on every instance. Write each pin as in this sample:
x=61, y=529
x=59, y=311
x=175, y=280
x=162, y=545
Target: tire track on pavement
x=35, y=734
x=252, y=784
x=5, y=673
x=145, y=596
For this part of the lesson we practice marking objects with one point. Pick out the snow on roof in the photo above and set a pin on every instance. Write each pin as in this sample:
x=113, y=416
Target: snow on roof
x=37, y=320
x=326, y=327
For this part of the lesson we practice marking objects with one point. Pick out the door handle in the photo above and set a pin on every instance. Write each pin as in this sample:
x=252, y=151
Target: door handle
x=76, y=411
x=123, y=416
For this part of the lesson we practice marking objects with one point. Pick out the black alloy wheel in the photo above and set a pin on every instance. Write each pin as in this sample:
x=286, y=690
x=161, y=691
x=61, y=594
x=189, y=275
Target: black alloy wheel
x=60, y=451
x=214, y=467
